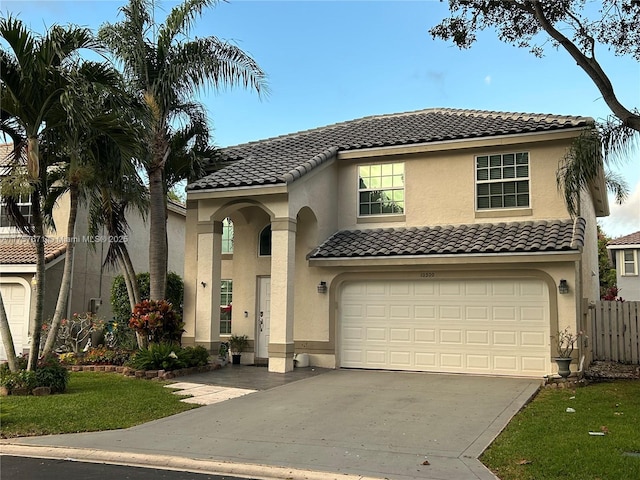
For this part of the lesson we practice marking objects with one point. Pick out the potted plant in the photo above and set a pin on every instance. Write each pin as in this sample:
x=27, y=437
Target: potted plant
x=237, y=345
x=566, y=343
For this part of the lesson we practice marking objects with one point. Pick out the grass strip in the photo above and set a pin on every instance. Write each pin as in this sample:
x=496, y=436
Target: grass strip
x=92, y=402
x=544, y=441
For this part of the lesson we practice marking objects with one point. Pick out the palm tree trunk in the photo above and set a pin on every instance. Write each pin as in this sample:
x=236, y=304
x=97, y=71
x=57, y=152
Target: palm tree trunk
x=63, y=295
x=157, y=235
x=7, y=338
x=35, y=324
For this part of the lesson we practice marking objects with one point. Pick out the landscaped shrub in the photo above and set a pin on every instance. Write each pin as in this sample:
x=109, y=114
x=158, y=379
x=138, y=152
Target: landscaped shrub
x=105, y=356
x=158, y=356
x=20, y=380
x=169, y=356
x=157, y=321
x=51, y=373
x=195, y=356
x=120, y=299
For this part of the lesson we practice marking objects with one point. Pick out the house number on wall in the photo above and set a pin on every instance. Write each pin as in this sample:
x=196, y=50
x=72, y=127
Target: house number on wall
x=427, y=274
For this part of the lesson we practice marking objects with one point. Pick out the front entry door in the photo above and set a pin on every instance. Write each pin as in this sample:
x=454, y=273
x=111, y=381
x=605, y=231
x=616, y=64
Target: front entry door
x=264, y=315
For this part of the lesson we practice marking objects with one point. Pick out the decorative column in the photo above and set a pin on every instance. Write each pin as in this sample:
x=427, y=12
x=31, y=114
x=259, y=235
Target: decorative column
x=283, y=246
x=209, y=269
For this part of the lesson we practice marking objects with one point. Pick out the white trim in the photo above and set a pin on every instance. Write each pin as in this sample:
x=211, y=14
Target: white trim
x=624, y=247
x=624, y=262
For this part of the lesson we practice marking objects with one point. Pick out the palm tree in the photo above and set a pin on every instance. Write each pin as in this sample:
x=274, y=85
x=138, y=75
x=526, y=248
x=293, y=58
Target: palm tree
x=165, y=67
x=35, y=80
x=52, y=109
x=597, y=147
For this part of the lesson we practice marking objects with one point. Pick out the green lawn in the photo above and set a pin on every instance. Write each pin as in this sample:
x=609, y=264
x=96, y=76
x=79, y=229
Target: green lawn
x=92, y=402
x=544, y=441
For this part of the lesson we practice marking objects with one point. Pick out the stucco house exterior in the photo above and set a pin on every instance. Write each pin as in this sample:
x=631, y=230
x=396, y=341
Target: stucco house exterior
x=433, y=240
x=91, y=279
x=625, y=252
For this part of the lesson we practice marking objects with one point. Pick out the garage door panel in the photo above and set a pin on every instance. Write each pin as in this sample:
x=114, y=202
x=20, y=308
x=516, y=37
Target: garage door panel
x=505, y=339
x=376, y=334
x=400, y=311
x=424, y=311
x=477, y=337
x=400, y=334
x=477, y=326
x=425, y=335
x=477, y=313
x=479, y=362
x=400, y=359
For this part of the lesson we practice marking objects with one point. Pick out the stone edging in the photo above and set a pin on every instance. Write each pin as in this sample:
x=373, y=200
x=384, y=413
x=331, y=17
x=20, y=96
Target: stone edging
x=146, y=374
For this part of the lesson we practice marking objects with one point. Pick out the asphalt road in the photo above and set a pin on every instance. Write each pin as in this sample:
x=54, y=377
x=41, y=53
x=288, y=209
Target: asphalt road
x=23, y=468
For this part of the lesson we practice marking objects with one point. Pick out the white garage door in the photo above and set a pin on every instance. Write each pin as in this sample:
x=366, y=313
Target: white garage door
x=14, y=296
x=466, y=326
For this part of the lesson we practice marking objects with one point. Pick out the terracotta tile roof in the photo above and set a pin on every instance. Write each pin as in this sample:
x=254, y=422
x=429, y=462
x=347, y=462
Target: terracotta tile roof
x=631, y=239
x=283, y=159
x=525, y=237
x=21, y=251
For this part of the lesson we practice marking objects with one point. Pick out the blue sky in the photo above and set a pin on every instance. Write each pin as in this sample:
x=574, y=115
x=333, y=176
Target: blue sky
x=331, y=61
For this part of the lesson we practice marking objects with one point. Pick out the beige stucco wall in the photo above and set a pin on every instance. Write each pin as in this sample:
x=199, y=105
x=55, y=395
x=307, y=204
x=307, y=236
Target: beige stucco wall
x=432, y=177
x=92, y=279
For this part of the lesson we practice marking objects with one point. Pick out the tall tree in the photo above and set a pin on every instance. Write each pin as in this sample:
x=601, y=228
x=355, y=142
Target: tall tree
x=166, y=67
x=574, y=25
x=37, y=77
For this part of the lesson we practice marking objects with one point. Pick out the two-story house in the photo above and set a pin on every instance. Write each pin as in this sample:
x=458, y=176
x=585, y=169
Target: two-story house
x=433, y=240
x=625, y=252
x=91, y=278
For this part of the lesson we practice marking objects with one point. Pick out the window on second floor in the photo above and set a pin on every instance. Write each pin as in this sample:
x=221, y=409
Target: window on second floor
x=227, y=236
x=24, y=204
x=629, y=262
x=381, y=189
x=502, y=181
x=264, y=242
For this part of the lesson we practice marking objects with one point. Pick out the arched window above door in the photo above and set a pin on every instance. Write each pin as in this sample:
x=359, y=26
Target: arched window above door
x=264, y=242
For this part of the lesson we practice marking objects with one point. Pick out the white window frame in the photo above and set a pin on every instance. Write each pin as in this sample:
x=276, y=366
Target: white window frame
x=229, y=296
x=633, y=262
x=227, y=236
x=12, y=228
x=388, y=183
x=501, y=180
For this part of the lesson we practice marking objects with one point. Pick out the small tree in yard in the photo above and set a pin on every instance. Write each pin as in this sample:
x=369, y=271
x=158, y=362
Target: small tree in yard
x=156, y=322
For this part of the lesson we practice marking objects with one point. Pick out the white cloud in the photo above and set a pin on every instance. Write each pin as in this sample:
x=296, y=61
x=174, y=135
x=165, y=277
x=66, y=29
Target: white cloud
x=487, y=79
x=625, y=218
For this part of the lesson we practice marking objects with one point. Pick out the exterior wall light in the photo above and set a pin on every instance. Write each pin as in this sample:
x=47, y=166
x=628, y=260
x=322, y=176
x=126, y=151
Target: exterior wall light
x=322, y=287
x=563, y=287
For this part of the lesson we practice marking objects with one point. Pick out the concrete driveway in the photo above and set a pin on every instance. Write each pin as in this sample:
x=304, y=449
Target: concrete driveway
x=344, y=422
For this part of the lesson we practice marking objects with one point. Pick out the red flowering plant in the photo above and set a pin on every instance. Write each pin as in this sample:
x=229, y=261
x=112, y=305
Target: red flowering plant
x=157, y=321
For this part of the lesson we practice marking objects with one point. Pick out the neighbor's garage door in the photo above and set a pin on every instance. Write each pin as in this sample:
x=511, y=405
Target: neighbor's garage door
x=14, y=296
x=470, y=326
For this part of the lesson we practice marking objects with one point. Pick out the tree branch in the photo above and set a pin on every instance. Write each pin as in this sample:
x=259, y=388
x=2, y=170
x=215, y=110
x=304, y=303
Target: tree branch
x=590, y=66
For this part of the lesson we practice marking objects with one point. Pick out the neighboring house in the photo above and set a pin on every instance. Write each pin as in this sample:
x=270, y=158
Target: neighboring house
x=625, y=252
x=91, y=280
x=433, y=240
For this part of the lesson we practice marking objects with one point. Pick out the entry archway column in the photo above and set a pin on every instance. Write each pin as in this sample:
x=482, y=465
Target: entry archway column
x=209, y=270
x=283, y=246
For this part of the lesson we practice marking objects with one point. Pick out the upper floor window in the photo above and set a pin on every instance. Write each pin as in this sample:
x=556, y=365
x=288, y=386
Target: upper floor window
x=227, y=236
x=24, y=204
x=264, y=242
x=629, y=262
x=381, y=189
x=502, y=181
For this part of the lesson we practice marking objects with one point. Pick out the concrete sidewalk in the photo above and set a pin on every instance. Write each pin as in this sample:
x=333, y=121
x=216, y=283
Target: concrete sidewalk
x=339, y=424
